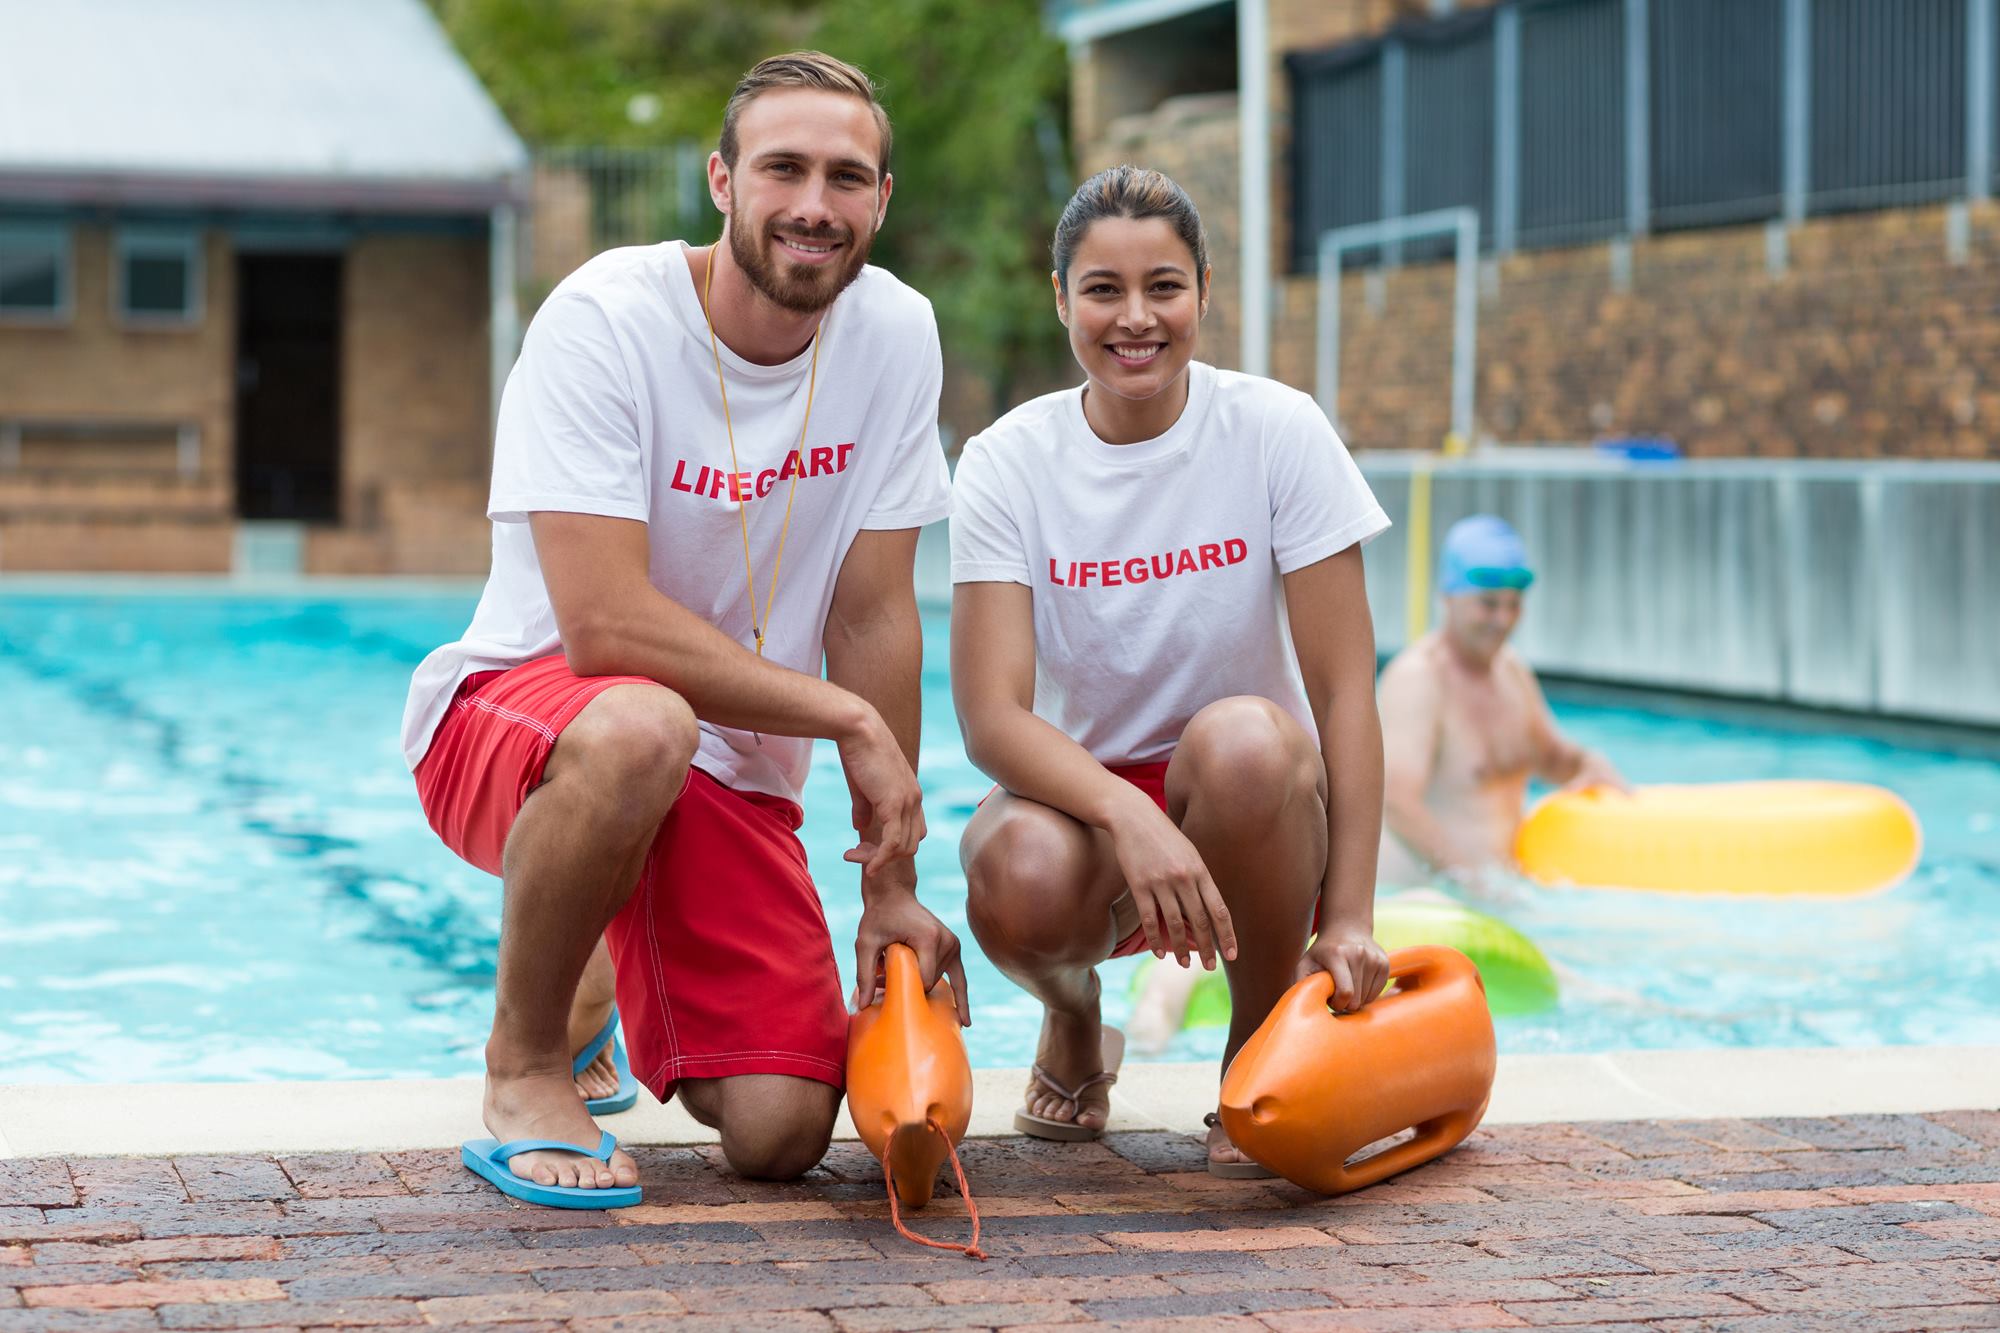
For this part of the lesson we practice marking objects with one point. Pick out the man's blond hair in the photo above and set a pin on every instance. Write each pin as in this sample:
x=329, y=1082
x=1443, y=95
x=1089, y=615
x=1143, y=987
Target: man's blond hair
x=801, y=69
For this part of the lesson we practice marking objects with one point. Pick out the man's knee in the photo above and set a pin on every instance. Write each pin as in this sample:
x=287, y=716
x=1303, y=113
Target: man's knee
x=1244, y=761
x=775, y=1127
x=632, y=746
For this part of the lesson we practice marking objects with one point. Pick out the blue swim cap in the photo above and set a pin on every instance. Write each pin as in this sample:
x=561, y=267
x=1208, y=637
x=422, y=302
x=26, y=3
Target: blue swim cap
x=1482, y=551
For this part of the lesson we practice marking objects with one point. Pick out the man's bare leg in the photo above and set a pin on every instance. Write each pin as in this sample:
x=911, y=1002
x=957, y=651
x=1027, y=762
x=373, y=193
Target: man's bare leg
x=571, y=861
x=1248, y=788
x=1161, y=1009
x=774, y=1126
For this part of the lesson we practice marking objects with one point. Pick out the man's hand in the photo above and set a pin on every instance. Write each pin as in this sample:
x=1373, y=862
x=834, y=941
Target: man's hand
x=1596, y=771
x=1180, y=908
x=885, y=795
x=1358, y=965
x=891, y=914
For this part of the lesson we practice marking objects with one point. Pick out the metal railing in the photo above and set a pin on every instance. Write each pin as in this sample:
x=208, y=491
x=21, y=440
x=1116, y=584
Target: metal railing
x=1461, y=227
x=1870, y=587
x=588, y=200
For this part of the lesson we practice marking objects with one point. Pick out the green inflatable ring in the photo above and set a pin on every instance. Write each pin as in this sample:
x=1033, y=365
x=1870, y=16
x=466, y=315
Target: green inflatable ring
x=1518, y=978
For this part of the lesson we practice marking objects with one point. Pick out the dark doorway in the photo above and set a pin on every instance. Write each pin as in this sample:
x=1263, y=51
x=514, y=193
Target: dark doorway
x=288, y=386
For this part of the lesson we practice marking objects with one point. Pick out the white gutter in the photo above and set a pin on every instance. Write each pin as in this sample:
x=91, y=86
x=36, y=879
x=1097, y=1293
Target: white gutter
x=1116, y=16
x=1253, y=101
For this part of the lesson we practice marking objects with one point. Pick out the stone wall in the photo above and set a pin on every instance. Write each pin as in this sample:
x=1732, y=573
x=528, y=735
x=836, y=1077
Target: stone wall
x=1872, y=340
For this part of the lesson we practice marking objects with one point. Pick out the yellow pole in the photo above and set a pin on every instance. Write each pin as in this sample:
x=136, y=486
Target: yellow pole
x=1417, y=566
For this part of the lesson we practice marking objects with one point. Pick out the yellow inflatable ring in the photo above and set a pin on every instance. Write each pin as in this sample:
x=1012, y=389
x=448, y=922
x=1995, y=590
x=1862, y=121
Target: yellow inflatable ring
x=1821, y=839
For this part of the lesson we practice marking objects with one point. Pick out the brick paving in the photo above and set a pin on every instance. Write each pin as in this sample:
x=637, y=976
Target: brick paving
x=1863, y=1223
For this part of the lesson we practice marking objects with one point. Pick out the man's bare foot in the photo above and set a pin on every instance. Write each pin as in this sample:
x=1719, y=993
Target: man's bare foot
x=1071, y=1051
x=544, y=1105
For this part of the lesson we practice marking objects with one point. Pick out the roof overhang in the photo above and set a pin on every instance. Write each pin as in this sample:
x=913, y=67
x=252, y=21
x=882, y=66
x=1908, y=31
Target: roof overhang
x=1111, y=17
x=139, y=189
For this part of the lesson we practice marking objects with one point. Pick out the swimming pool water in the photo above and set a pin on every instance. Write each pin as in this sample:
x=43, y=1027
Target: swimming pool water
x=212, y=866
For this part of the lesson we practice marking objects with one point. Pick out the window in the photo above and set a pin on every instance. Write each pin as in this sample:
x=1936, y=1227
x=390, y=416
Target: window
x=1888, y=102
x=1337, y=147
x=158, y=277
x=1717, y=91
x=1572, y=121
x=34, y=271
x=1520, y=110
x=1448, y=126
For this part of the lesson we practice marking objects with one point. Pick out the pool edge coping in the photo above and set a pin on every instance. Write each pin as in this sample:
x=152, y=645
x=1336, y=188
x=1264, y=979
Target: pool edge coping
x=169, y=1119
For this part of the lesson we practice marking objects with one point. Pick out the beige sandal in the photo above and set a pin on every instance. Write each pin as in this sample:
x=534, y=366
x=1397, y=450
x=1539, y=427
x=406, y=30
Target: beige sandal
x=1234, y=1170
x=1111, y=1048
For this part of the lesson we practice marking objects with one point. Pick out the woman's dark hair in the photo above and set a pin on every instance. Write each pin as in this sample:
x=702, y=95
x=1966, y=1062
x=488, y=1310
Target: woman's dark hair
x=1130, y=192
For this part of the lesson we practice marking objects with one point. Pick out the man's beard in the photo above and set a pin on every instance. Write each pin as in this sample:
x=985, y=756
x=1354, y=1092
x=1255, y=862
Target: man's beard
x=798, y=288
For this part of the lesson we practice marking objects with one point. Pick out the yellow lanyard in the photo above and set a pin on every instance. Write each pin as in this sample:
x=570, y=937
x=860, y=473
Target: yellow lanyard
x=759, y=625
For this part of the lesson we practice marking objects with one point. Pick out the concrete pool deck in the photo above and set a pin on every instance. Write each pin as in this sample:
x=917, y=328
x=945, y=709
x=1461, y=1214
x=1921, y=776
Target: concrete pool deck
x=146, y=1119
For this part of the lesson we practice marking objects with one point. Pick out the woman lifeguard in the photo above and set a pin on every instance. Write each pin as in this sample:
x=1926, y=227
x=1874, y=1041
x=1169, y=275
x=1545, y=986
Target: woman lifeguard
x=1161, y=652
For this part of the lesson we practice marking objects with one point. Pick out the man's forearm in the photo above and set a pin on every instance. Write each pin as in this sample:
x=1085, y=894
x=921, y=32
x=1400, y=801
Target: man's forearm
x=725, y=683
x=1562, y=760
x=881, y=663
x=1426, y=837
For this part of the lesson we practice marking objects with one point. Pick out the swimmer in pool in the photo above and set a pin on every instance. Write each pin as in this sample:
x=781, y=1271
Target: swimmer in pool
x=1465, y=724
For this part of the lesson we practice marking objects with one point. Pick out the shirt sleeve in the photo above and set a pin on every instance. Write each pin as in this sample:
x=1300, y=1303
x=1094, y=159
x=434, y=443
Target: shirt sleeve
x=568, y=434
x=986, y=545
x=1320, y=504
x=917, y=489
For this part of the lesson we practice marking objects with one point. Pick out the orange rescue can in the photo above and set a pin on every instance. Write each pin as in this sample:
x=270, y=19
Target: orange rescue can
x=1311, y=1087
x=909, y=1082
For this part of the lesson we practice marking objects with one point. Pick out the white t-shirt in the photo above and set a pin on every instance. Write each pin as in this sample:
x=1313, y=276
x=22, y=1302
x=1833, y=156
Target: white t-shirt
x=613, y=409
x=1155, y=566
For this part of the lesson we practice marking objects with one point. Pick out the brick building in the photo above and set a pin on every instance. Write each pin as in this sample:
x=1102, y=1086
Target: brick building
x=256, y=265
x=1756, y=227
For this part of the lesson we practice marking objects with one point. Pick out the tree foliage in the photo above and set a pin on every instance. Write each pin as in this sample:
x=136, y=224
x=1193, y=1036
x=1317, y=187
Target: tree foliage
x=975, y=89
x=567, y=71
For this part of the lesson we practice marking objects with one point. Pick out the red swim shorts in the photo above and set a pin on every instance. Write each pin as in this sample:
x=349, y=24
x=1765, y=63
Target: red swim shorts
x=724, y=962
x=1151, y=779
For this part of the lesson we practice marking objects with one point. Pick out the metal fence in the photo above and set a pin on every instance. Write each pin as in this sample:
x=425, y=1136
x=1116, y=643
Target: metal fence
x=1869, y=588
x=587, y=200
x=1571, y=120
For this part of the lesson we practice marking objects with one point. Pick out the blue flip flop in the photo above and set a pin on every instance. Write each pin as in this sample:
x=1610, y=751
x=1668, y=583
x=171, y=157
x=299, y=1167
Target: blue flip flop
x=489, y=1157
x=627, y=1095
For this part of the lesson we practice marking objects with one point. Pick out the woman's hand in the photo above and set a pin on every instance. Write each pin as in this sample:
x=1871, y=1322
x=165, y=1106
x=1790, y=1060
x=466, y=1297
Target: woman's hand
x=1358, y=965
x=1179, y=907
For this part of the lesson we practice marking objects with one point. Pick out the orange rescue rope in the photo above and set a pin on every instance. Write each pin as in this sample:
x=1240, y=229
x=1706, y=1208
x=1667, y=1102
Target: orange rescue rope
x=970, y=1250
